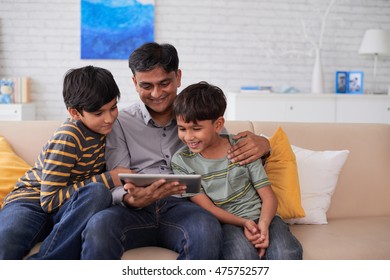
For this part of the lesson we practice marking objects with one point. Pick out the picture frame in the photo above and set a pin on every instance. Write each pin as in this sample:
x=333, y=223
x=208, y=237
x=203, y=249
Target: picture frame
x=355, y=82
x=341, y=82
x=349, y=82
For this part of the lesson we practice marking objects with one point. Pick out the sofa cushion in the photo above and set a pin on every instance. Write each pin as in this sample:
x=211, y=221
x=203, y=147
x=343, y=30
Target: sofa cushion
x=364, y=238
x=318, y=174
x=12, y=168
x=282, y=172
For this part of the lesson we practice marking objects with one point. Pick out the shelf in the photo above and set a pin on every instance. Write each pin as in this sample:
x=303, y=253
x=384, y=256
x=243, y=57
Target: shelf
x=17, y=112
x=301, y=107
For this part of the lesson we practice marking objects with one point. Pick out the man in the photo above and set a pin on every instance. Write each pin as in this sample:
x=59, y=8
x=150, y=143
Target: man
x=144, y=138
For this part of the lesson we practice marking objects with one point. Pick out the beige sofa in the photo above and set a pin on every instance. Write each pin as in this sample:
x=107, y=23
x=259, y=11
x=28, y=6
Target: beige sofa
x=359, y=215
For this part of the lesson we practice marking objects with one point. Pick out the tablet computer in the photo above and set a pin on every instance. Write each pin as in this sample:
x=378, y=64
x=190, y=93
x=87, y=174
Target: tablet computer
x=192, y=181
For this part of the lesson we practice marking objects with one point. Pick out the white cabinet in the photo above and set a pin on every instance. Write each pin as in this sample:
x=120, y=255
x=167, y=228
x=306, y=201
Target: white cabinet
x=280, y=107
x=363, y=109
x=308, y=107
x=17, y=112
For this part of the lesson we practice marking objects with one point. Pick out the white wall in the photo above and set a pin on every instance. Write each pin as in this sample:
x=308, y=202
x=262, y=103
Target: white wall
x=228, y=43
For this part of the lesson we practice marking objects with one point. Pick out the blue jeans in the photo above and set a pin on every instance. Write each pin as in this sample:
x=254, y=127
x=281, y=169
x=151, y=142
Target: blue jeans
x=282, y=243
x=24, y=223
x=172, y=223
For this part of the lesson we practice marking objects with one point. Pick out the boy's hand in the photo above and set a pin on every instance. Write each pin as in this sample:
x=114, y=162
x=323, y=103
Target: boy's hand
x=139, y=197
x=252, y=232
x=263, y=245
x=249, y=149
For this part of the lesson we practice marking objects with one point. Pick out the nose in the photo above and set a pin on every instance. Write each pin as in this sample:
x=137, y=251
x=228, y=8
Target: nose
x=156, y=92
x=188, y=136
x=110, y=116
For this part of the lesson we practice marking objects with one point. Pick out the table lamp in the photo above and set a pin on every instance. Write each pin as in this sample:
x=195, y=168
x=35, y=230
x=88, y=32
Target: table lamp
x=375, y=42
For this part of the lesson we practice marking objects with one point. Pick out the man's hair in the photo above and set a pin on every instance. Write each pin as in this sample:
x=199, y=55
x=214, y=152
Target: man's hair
x=89, y=88
x=199, y=102
x=152, y=55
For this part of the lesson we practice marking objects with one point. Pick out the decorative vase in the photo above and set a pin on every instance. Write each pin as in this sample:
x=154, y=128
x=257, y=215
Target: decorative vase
x=317, y=82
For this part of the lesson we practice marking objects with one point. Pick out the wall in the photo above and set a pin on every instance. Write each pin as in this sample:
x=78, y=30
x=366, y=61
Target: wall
x=228, y=43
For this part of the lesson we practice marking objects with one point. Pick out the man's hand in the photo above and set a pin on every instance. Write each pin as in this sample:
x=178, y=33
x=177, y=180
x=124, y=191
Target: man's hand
x=139, y=197
x=249, y=149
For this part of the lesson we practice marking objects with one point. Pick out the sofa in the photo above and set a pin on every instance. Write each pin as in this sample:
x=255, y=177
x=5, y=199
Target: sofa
x=357, y=222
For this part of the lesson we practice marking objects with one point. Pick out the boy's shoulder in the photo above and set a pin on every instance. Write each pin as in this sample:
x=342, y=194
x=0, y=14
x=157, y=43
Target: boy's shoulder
x=72, y=129
x=230, y=137
x=184, y=152
x=69, y=125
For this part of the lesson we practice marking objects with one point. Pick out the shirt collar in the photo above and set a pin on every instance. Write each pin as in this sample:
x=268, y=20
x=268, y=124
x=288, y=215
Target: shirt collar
x=148, y=118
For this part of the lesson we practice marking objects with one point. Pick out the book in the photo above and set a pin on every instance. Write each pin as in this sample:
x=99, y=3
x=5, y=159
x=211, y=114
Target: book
x=256, y=89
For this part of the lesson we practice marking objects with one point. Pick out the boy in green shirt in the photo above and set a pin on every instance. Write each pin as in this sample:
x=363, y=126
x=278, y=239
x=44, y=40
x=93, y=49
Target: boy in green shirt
x=240, y=196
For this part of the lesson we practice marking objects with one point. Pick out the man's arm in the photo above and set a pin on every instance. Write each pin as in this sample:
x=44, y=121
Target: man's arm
x=252, y=147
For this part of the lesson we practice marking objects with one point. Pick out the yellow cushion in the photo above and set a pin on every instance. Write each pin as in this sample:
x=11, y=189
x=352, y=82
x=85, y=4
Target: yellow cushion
x=282, y=171
x=12, y=168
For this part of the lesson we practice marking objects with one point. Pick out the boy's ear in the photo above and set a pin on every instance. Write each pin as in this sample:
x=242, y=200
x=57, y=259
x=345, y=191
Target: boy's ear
x=219, y=124
x=74, y=114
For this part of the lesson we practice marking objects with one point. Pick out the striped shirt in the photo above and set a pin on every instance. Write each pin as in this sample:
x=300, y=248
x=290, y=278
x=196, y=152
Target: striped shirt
x=229, y=185
x=71, y=159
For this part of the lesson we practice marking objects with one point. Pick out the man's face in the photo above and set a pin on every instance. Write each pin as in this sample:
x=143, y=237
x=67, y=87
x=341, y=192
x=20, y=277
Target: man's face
x=157, y=89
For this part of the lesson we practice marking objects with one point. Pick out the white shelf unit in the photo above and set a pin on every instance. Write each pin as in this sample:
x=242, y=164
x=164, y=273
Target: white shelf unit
x=347, y=108
x=17, y=112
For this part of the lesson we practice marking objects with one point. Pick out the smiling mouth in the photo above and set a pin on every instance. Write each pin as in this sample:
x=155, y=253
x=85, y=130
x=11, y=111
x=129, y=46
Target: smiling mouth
x=192, y=145
x=158, y=100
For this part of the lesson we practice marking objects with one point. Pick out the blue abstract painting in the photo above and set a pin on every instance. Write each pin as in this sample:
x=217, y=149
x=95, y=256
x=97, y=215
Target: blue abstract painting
x=112, y=29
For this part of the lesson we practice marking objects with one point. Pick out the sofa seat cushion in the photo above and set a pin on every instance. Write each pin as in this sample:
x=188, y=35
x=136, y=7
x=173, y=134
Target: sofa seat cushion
x=365, y=238
x=143, y=253
x=149, y=253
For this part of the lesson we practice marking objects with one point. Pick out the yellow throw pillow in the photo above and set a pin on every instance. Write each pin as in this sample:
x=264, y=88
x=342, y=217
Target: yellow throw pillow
x=282, y=171
x=12, y=168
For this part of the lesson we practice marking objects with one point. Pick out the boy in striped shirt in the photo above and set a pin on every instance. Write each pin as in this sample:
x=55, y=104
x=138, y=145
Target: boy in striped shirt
x=69, y=183
x=240, y=196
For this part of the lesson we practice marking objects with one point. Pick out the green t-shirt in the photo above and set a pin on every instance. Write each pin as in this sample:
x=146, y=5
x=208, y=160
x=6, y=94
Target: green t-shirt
x=229, y=185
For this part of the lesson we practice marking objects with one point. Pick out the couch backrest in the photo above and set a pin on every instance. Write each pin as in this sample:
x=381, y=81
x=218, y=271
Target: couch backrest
x=363, y=188
x=28, y=137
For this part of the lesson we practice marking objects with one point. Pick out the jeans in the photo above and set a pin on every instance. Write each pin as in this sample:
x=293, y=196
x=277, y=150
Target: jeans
x=24, y=223
x=282, y=243
x=172, y=223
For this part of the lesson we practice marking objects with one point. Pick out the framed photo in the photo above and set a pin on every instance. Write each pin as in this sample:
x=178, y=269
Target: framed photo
x=350, y=82
x=341, y=82
x=355, y=82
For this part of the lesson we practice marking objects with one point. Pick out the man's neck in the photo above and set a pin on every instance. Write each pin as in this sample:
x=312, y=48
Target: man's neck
x=161, y=119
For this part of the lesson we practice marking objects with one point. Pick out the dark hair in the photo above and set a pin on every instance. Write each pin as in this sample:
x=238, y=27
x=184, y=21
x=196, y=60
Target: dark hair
x=89, y=88
x=151, y=55
x=199, y=102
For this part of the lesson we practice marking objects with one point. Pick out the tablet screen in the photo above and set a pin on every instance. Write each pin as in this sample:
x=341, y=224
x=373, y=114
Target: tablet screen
x=192, y=181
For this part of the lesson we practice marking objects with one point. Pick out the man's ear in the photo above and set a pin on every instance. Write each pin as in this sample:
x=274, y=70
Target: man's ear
x=134, y=80
x=219, y=124
x=74, y=114
x=178, y=78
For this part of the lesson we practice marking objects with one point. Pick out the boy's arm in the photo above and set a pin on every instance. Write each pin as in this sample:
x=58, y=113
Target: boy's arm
x=269, y=203
x=222, y=215
x=251, y=148
x=57, y=162
x=268, y=211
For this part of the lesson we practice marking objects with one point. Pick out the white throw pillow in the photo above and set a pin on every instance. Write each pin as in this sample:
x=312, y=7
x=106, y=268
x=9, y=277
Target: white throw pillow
x=318, y=173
